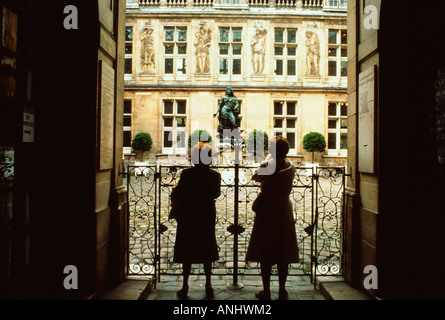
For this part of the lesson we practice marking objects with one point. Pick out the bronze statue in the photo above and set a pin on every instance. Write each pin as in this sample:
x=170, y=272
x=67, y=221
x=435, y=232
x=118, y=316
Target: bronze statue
x=228, y=111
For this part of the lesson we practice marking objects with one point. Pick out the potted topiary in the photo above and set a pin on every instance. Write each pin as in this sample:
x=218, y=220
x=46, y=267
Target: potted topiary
x=142, y=142
x=314, y=142
x=252, y=147
x=199, y=136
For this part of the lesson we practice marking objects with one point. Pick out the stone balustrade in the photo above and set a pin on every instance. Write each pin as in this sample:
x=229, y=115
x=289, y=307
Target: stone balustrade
x=297, y=4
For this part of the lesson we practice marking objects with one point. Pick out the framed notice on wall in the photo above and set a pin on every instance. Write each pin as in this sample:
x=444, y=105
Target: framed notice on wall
x=106, y=103
x=366, y=120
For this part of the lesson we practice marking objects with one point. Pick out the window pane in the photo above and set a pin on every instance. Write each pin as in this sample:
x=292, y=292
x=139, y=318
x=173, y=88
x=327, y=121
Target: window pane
x=128, y=48
x=181, y=65
x=279, y=51
x=168, y=107
x=223, y=66
x=278, y=123
x=167, y=142
x=344, y=37
x=127, y=121
x=181, y=106
x=236, y=49
x=180, y=122
x=344, y=52
x=332, y=109
x=291, y=123
x=180, y=139
x=344, y=109
x=332, y=68
x=224, y=34
x=279, y=35
x=182, y=35
x=291, y=138
x=344, y=123
x=279, y=67
x=291, y=51
x=343, y=141
x=223, y=50
x=168, y=122
x=333, y=3
x=128, y=33
x=168, y=66
x=127, y=139
x=236, y=66
x=169, y=49
x=182, y=49
x=292, y=36
x=332, y=52
x=332, y=141
x=291, y=108
x=237, y=35
x=278, y=107
x=332, y=124
x=344, y=68
x=127, y=106
x=128, y=65
x=291, y=68
x=278, y=133
x=169, y=34
x=333, y=36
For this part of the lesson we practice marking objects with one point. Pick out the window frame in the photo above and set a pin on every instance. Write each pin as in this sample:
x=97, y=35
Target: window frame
x=230, y=57
x=284, y=129
x=175, y=55
x=174, y=149
x=338, y=58
x=285, y=57
x=338, y=130
x=129, y=56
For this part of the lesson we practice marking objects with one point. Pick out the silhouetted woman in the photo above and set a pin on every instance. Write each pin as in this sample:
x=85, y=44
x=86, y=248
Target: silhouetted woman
x=273, y=240
x=194, y=198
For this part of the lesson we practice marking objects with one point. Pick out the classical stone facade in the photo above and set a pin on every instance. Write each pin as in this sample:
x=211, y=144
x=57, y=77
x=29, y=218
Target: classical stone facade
x=286, y=63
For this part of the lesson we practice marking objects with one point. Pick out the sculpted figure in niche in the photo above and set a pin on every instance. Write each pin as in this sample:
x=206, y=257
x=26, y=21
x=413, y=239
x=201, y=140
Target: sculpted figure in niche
x=202, y=44
x=147, y=50
x=312, y=54
x=258, y=45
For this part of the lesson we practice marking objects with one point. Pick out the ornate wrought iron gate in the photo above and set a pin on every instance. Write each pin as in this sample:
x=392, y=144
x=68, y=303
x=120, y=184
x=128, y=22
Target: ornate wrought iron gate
x=318, y=201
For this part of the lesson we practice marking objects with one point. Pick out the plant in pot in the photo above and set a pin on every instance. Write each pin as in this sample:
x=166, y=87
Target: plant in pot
x=142, y=142
x=257, y=143
x=314, y=142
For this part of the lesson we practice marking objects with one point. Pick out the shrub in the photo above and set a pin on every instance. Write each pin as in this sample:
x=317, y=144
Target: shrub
x=142, y=141
x=251, y=140
x=199, y=136
x=314, y=142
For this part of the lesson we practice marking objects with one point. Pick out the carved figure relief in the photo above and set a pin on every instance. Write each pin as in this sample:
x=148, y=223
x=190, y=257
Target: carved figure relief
x=202, y=44
x=147, y=50
x=312, y=54
x=258, y=45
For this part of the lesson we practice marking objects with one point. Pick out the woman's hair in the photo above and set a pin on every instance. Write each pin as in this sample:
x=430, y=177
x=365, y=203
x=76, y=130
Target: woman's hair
x=281, y=146
x=202, y=154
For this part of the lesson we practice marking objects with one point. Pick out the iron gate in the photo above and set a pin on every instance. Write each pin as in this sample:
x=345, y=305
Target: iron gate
x=318, y=200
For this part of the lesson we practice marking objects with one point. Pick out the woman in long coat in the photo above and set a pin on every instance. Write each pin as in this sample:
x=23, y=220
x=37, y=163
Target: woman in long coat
x=273, y=240
x=194, y=202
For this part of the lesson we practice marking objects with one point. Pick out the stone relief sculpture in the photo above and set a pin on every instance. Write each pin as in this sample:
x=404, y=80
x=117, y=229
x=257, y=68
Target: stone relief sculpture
x=258, y=45
x=147, y=50
x=202, y=44
x=312, y=54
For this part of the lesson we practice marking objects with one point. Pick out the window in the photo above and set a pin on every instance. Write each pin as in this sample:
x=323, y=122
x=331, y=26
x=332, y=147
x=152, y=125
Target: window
x=174, y=126
x=128, y=50
x=230, y=2
x=338, y=3
x=338, y=53
x=285, y=52
x=127, y=126
x=175, y=52
x=337, y=128
x=285, y=122
x=230, y=51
